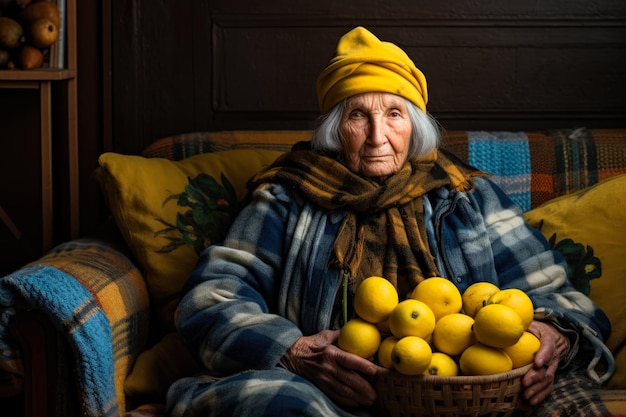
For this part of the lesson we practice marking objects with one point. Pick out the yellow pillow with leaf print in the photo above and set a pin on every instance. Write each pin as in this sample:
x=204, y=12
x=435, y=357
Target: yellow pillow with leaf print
x=588, y=226
x=168, y=211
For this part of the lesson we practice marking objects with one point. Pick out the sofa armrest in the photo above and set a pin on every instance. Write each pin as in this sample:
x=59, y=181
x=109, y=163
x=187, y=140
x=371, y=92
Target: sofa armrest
x=47, y=386
x=97, y=303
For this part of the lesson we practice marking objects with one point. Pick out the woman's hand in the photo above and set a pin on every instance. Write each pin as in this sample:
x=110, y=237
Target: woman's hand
x=336, y=372
x=539, y=380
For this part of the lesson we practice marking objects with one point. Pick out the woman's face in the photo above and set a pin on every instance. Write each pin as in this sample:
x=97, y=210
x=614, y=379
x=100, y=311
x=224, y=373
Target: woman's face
x=375, y=131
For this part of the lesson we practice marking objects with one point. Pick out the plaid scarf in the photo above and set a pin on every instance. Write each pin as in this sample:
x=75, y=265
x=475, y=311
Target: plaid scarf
x=383, y=232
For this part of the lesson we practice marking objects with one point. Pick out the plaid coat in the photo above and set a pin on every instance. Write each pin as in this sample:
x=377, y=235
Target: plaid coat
x=249, y=299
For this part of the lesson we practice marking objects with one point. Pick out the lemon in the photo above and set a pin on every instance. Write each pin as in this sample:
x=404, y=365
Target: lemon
x=384, y=352
x=411, y=355
x=374, y=299
x=442, y=365
x=440, y=294
x=411, y=318
x=453, y=334
x=479, y=359
x=518, y=300
x=476, y=295
x=523, y=352
x=498, y=325
x=359, y=337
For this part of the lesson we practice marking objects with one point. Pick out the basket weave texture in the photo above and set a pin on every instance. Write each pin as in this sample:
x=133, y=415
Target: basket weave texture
x=420, y=396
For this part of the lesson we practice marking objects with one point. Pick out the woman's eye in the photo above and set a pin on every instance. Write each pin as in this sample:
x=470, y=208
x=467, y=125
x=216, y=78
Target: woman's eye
x=356, y=114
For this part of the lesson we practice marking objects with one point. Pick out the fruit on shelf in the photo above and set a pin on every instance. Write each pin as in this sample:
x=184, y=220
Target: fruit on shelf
x=11, y=33
x=42, y=33
x=41, y=10
x=23, y=3
x=30, y=57
x=28, y=30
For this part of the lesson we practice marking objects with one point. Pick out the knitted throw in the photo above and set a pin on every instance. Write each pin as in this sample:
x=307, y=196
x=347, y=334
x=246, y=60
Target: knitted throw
x=383, y=232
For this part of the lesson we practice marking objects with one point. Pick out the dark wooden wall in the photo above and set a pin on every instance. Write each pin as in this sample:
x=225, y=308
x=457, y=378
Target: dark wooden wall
x=190, y=65
x=95, y=105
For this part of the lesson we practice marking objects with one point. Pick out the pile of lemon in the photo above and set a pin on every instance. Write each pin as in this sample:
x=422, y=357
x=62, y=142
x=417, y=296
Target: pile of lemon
x=439, y=331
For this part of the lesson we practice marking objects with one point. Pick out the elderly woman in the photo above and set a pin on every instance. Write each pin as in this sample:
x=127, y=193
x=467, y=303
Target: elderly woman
x=369, y=195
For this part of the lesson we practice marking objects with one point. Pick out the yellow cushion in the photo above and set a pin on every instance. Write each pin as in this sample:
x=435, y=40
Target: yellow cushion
x=159, y=367
x=595, y=219
x=169, y=211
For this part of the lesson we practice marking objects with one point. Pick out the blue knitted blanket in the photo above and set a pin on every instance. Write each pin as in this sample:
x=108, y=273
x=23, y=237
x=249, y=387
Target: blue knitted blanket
x=96, y=298
x=71, y=307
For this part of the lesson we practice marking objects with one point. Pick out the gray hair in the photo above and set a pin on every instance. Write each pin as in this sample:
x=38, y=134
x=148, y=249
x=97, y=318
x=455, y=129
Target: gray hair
x=424, y=133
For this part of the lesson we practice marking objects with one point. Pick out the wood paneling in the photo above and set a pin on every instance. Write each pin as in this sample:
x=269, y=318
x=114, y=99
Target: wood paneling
x=94, y=104
x=157, y=70
x=197, y=65
x=20, y=205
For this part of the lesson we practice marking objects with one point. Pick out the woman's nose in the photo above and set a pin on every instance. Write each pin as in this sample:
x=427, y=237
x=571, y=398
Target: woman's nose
x=377, y=134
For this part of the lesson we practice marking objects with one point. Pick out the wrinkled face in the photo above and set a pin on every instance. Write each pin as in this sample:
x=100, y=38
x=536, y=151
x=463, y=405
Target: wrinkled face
x=375, y=132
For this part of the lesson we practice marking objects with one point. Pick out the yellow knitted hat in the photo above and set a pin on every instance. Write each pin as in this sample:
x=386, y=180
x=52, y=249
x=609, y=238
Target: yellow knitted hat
x=365, y=64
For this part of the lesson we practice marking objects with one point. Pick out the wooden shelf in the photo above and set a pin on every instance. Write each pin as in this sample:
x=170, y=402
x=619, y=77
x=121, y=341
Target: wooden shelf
x=42, y=74
x=57, y=116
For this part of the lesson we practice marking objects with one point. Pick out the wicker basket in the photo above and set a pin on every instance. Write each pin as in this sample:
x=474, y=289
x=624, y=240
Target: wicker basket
x=418, y=396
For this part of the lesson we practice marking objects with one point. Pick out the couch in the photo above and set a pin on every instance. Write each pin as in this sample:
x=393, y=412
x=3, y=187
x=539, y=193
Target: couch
x=88, y=328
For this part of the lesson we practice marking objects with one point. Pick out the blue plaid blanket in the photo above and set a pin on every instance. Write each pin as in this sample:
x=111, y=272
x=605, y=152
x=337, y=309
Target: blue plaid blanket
x=70, y=286
x=71, y=306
